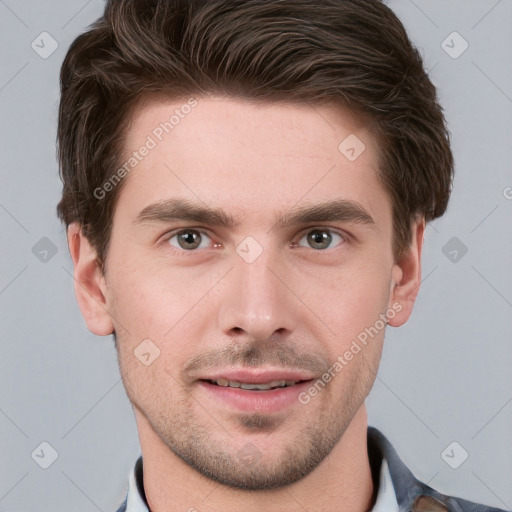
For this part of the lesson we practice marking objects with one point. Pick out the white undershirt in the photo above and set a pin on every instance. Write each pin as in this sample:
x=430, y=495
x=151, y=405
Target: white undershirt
x=386, y=499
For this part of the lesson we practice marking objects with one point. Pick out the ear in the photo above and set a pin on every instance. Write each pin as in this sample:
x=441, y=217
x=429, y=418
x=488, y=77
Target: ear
x=89, y=282
x=406, y=278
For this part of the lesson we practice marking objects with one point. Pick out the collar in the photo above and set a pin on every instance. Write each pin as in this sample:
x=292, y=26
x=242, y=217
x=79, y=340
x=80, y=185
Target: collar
x=136, y=497
x=411, y=494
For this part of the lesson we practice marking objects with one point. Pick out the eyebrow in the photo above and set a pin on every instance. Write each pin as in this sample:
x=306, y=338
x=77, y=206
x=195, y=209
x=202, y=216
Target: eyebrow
x=341, y=210
x=181, y=209
x=171, y=210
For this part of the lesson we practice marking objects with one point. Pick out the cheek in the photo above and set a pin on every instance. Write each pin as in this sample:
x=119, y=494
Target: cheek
x=352, y=299
x=142, y=304
x=164, y=304
x=146, y=310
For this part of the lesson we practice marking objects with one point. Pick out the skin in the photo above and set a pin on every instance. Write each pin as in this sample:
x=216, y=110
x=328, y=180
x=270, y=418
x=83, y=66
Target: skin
x=295, y=306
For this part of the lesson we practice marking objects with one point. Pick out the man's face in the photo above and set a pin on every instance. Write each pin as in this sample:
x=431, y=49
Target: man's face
x=266, y=296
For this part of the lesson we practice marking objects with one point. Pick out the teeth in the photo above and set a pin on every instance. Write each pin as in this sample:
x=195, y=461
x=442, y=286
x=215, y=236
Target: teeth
x=250, y=386
x=246, y=385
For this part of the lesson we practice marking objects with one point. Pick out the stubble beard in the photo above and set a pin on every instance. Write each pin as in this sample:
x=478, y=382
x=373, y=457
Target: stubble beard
x=247, y=468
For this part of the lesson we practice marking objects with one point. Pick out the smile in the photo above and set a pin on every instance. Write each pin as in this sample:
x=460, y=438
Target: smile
x=253, y=386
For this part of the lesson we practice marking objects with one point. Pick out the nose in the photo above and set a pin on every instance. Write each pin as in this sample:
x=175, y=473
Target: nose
x=256, y=301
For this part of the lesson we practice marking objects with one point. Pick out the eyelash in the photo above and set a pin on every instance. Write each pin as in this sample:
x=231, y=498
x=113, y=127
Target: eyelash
x=344, y=236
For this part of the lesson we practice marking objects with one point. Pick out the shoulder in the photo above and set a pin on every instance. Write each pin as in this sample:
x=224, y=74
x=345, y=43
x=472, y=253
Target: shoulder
x=411, y=494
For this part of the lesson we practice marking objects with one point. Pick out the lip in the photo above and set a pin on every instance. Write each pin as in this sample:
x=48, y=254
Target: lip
x=270, y=401
x=258, y=375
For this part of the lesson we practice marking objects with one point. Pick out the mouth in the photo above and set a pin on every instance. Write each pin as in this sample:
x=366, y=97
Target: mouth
x=252, y=390
x=251, y=386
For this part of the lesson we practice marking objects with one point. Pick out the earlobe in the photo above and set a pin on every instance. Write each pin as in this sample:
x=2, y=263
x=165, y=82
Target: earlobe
x=89, y=282
x=407, y=278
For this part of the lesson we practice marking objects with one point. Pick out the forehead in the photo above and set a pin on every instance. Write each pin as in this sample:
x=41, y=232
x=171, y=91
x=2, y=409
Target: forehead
x=248, y=157
x=208, y=117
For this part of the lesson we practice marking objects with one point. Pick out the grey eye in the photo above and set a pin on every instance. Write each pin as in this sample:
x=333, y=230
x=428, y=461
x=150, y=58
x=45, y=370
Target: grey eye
x=188, y=239
x=320, y=239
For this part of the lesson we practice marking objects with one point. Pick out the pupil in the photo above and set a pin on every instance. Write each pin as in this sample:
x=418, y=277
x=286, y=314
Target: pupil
x=320, y=239
x=189, y=239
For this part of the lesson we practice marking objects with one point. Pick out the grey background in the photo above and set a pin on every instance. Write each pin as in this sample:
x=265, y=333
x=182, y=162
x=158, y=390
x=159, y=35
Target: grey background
x=445, y=376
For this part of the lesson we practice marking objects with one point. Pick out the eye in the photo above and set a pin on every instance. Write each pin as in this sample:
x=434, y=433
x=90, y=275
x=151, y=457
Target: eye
x=321, y=239
x=189, y=239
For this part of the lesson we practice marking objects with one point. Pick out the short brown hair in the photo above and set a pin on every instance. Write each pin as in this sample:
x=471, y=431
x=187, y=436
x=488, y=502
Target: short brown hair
x=355, y=53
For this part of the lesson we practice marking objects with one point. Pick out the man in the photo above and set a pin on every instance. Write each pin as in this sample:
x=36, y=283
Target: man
x=246, y=186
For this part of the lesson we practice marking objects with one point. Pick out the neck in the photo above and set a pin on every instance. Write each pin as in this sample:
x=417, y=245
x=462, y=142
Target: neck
x=342, y=481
